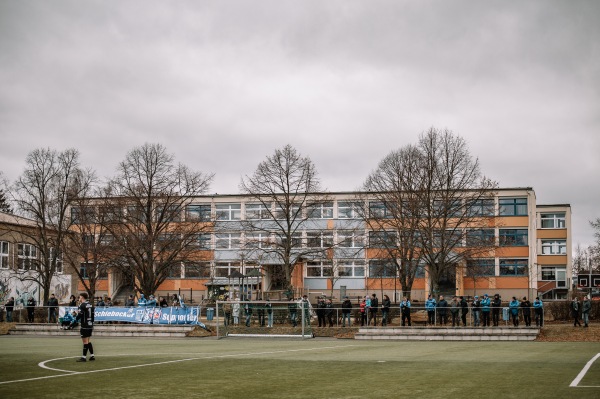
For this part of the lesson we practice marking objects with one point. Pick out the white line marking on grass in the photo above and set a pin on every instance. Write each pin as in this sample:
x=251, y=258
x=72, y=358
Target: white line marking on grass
x=71, y=373
x=583, y=372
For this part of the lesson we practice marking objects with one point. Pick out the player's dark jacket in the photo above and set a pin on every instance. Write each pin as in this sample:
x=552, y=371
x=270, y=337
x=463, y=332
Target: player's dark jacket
x=85, y=315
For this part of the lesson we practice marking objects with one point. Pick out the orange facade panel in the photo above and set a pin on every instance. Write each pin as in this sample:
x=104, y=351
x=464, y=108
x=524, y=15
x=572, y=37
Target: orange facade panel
x=513, y=221
x=101, y=285
x=552, y=259
x=513, y=252
x=512, y=282
x=176, y=284
x=552, y=233
x=382, y=283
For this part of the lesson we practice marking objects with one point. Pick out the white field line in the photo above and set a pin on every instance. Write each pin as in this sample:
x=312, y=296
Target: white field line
x=583, y=372
x=70, y=373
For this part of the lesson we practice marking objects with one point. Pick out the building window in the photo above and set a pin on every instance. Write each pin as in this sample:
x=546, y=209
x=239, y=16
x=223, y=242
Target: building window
x=553, y=220
x=257, y=240
x=197, y=269
x=481, y=207
x=382, y=268
x=513, y=267
x=379, y=210
x=319, y=239
x=204, y=241
x=351, y=268
x=481, y=267
x=351, y=239
x=549, y=273
x=321, y=211
x=26, y=257
x=296, y=240
x=481, y=238
x=197, y=213
x=448, y=238
x=554, y=247
x=382, y=239
x=513, y=237
x=227, y=240
x=229, y=211
x=4, y=247
x=167, y=213
x=225, y=269
x=294, y=212
x=257, y=212
x=319, y=269
x=512, y=206
x=82, y=215
x=349, y=210
x=173, y=271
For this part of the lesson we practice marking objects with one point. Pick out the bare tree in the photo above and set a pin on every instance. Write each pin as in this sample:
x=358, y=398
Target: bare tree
x=148, y=234
x=457, y=203
x=429, y=205
x=287, y=200
x=44, y=193
x=392, y=215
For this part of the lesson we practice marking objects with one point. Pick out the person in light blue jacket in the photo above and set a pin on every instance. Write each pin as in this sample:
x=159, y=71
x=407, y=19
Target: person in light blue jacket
x=151, y=302
x=514, y=311
x=485, y=310
x=538, y=308
x=142, y=300
x=430, y=306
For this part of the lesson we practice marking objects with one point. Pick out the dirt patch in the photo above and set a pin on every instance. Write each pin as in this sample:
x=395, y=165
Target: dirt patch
x=5, y=328
x=563, y=332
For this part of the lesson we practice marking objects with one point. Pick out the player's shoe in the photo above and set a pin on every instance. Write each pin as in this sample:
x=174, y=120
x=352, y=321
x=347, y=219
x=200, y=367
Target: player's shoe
x=81, y=359
x=92, y=358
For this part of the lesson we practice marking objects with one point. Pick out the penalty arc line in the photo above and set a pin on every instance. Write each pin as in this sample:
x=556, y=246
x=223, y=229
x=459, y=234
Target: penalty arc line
x=71, y=373
x=583, y=372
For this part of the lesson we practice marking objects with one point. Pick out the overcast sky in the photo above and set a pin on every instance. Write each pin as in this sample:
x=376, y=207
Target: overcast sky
x=222, y=84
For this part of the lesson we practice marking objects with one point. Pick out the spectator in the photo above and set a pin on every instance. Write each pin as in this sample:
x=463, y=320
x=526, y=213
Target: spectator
x=261, y=315
x=227, y=308
x=108, y=301
x=321, y=311
x=163, y=302
x=476, y=306
x=306, y=308
x=496, y=306
x=585, y=310
x=235, y=311
x=385, y=310
x=142, y=301
x=454, y=308
x=464, y=310
x=538, y=308
x=346, y=311
x=30, y=309
x=269, y=307
x=405, y=311
x=130, y=302
x=100, y=302
x=248, y=311
x=575, y=312
x=72, y=301
x=363, y=312
x=442, y=307
x=151, y=302
x=293, y=310
x=52, y=308
x=430, y=305
x=526, y=310
x=514, y=311
x=374, y=308
x=9, y=306
x=485, y=310
x=329, y=312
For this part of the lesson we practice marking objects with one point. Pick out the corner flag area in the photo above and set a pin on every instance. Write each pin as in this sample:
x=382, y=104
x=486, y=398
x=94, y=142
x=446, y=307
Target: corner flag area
x=34, y=367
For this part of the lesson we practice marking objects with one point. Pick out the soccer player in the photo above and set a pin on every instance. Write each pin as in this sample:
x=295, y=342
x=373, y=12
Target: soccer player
x=85, y=315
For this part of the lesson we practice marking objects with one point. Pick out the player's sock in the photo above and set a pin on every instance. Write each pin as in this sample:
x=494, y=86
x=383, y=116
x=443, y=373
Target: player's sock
x=85, y=350
x=91, y=349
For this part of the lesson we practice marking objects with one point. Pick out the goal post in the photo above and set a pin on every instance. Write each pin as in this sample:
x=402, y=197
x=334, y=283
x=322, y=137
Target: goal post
x=283, y=319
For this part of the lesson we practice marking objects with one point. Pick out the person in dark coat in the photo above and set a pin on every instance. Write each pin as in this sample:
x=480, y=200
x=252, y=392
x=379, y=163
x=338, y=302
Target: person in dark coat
x=321, y=311
x=405, y=311
x=496, y=306
x=346, y=311
x=9, y=306
x=442, y=309
x=575, y=312
x=526, y=310
x=52, y=308
x=329, y=312
x=385, y=310
x=373, y=310
x=464, y=310
x=30, y=309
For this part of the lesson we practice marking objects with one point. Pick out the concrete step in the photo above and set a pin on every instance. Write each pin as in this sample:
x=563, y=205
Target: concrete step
x=448, y=333
x=107, y=330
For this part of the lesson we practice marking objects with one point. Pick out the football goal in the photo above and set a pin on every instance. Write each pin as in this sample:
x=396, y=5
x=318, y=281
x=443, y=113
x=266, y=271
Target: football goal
x=234, y=318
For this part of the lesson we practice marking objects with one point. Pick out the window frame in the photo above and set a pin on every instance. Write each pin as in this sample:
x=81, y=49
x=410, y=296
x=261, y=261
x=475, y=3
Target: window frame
x=559, y=244
x=558, y=222
x=198, y=212
x=5, y=255
x=513, y=237
x=228, y=211
x=512, y=206
x=517, y=264
x=323, y=267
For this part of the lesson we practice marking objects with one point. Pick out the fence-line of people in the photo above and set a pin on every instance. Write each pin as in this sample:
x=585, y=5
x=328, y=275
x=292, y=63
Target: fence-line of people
x=485, y=311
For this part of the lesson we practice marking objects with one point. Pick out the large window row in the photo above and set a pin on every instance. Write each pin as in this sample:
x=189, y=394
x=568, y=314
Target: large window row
x=203, y=212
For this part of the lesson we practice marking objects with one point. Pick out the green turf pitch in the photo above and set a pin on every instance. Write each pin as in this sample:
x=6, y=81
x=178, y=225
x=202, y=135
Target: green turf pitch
x=295, y=368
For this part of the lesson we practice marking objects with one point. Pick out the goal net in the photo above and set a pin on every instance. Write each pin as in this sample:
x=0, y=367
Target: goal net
x=263, y=319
